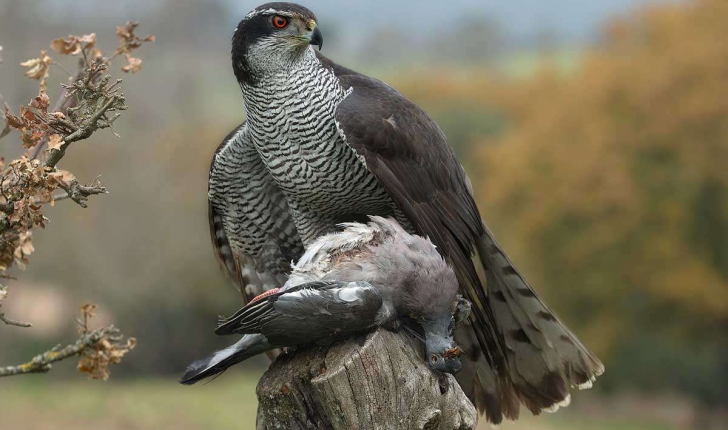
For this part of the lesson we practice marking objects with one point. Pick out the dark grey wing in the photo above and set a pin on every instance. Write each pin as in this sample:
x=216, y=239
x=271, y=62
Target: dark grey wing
x=310, y=312
x=252, y=229
x=529, y=355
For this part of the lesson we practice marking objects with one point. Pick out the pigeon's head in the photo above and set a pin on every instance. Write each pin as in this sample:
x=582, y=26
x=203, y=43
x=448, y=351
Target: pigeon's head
x=271, y=38
x=443, y=354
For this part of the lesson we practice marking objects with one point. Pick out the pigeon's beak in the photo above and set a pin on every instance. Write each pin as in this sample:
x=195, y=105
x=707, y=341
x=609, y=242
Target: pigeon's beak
x=444, y=354
x=447, y=362
x=316, y=38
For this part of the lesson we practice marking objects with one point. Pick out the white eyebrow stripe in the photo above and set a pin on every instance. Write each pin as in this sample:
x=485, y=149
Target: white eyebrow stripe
x=269, y=12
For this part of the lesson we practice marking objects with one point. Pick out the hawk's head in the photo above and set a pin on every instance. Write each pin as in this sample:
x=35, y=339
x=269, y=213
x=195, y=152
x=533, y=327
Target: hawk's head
x=272, y=37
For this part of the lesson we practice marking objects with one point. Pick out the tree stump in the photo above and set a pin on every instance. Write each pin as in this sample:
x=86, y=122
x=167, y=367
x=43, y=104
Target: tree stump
x=375, y=381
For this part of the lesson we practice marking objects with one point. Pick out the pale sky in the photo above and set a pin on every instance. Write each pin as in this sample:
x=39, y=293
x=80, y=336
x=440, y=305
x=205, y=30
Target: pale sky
x=573, y=19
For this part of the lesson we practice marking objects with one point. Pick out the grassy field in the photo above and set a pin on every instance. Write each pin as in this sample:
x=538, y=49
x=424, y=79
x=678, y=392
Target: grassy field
x=42, y=403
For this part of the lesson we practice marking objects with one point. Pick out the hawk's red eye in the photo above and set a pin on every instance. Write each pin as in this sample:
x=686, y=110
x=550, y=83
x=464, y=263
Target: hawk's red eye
x=280, y=21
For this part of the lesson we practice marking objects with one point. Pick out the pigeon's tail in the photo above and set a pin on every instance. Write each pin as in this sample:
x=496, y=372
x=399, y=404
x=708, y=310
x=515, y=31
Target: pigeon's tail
x=248, y=346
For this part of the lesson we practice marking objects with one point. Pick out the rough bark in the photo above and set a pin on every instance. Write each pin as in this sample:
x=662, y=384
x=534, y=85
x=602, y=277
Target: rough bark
x=376, y=381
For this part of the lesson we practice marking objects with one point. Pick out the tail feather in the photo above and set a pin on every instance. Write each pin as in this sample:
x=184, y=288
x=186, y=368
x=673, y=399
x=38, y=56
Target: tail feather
x=544, y=358
x=490, y=393
x=248, y=346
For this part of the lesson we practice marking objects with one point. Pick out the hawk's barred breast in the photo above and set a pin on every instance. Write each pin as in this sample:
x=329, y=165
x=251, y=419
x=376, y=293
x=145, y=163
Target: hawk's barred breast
x=291, y=120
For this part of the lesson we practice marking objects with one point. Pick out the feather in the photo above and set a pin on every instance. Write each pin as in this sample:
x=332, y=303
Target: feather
x=253, y=234
x=220, y=361
x=519, y=352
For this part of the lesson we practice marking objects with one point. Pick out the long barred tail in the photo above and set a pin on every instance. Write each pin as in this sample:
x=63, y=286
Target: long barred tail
x=223, y=252
x=544, y=359
x=248, y=346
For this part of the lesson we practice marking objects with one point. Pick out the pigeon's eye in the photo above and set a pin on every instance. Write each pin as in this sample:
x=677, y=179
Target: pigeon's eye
x=433, y=359
x=280, y=21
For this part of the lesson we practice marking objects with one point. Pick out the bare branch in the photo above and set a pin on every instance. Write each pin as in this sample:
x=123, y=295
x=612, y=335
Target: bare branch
x=42, y=363
x=85, y=130
x=79, y=193
x=72, y=190
x=98, y=349
x=62, y=67
x=62, y=105
x=9, y=321
x=89, y=101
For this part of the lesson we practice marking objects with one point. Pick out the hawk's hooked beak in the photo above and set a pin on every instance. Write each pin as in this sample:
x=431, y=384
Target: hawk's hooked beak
x=316, y=38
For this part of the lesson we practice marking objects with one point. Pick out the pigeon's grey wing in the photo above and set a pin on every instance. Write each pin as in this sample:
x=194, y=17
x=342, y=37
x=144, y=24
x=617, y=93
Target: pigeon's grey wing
x=248, y=314
x=252, y=229
x=310, y=313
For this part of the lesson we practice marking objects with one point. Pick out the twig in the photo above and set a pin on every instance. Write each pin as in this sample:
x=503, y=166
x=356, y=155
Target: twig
x=6, y=128
x=89, y=102
x=9, y=321
x=79, y=193
x=73, y=190
x=85, y=130
x=62, y=105
x=42, y=363
x=62, y=67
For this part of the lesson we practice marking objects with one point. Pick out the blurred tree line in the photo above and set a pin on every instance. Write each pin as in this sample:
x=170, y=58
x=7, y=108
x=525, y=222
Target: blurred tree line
x=610, y=187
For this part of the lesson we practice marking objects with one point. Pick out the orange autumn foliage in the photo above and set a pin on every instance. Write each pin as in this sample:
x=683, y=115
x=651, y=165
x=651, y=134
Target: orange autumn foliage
x=609, y=188
x=612, y=183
